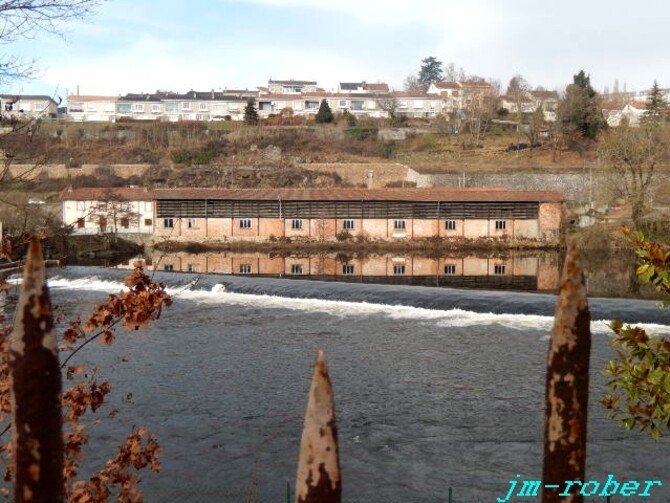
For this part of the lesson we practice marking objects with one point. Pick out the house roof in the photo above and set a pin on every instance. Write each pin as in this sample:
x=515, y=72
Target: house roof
x=293, y=82
x=91, y=98
x=445, y=84
x=432, y=194
x=351, y=86
x=380, y=86
x=106, y=194
x=27, y=97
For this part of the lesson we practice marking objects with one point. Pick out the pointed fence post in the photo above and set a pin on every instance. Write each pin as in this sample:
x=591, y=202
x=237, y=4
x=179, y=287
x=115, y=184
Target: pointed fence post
x=567, y=387
x=318, y=479
x=36, y=389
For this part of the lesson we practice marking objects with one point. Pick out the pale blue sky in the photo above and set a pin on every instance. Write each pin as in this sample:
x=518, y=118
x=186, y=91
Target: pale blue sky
x=141, y=45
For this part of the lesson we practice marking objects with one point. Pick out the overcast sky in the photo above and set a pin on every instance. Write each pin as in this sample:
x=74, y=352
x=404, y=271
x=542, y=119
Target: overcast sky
x=178, y=45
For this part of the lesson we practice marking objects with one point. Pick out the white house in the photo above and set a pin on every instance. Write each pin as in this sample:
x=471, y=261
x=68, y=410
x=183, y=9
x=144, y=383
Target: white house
x=120, y=210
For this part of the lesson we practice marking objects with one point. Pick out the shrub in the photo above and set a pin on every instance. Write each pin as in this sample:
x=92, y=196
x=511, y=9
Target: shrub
x=360, y=132
x=191, y=157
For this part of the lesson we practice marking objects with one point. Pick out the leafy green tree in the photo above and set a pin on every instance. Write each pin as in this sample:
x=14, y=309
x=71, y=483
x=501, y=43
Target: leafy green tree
x=325, y=114
x=640, y=374
x=250, y=112
x=431, y=71
x=657, y=105
x=580, y=110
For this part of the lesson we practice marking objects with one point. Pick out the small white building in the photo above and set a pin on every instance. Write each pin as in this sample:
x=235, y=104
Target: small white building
x=123, y=210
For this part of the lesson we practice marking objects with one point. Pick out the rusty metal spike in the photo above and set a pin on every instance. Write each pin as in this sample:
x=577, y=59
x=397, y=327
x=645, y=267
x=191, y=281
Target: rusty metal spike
x=318, y=479
x=36, y=389
x=567, y=386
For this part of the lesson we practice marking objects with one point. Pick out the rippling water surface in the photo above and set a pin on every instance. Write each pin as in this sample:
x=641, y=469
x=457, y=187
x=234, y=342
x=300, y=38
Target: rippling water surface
x=434, y=388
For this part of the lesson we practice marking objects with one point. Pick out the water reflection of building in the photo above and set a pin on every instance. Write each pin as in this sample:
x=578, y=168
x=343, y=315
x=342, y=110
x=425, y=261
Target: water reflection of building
x=515, y=272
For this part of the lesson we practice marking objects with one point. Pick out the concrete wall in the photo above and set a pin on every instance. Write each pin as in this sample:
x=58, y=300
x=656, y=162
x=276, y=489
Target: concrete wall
x=370, y=175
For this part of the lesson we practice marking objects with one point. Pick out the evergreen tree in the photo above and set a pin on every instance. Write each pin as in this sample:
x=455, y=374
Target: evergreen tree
x=250, y=112
x=431, y=71
x=657, y=105
x=580, y=109
x=325, y=114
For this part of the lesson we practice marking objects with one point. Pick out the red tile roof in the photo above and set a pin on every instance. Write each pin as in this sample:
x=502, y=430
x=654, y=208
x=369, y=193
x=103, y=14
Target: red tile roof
x=106, y=193
x=347, y=194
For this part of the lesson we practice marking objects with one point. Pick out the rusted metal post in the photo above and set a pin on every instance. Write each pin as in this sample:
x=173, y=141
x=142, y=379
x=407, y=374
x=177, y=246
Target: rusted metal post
x=36, y=389
x=567, y=388
x=318, y=479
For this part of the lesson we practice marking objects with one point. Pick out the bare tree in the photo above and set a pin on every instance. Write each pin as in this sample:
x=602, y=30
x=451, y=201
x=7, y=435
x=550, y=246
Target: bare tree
x=412, y=84
x=113, y=212
x=634, y=155
x=389, y=104
x=25, y=19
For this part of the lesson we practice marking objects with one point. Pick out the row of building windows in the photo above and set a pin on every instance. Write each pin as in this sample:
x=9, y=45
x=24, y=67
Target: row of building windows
x=347, y=269
x=296, y=224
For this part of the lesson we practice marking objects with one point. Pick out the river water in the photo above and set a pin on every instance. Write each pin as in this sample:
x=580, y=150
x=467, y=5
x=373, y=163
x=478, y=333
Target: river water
x=434, y=387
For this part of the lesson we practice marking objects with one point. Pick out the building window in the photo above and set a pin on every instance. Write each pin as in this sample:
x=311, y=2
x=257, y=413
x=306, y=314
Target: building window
x=168, y=223
x=81, y=205
x=501, y=225
x=102, y=222
x=398, y=270
x=138, y=107
x=156, y=108
x=191, y=268
x=147, y=222
x=450, y=225
x=348, y=224
x=102, y=206
x=123, y=108
x=245, y=268
x=190, y=223
x=449, y=269
x=80, y=222
x=348, y=269
x=357, y=105
x=185, y=106
x=168, y=267
x=172, y=107
x=399, y=224
x=245, y=223
x=343, y=103
x=125, y=222
x=202, y=107
x=39, y=107
x=499, y=269
x=296, y=224
x=296, y=268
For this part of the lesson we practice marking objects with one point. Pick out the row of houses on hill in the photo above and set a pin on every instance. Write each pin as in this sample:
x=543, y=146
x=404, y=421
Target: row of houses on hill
x=296, y=97
x=195, y=214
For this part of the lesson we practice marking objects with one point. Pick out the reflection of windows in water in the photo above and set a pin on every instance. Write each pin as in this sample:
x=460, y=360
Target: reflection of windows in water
x=499, y=269
x=398, y=270
x=450, y=269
